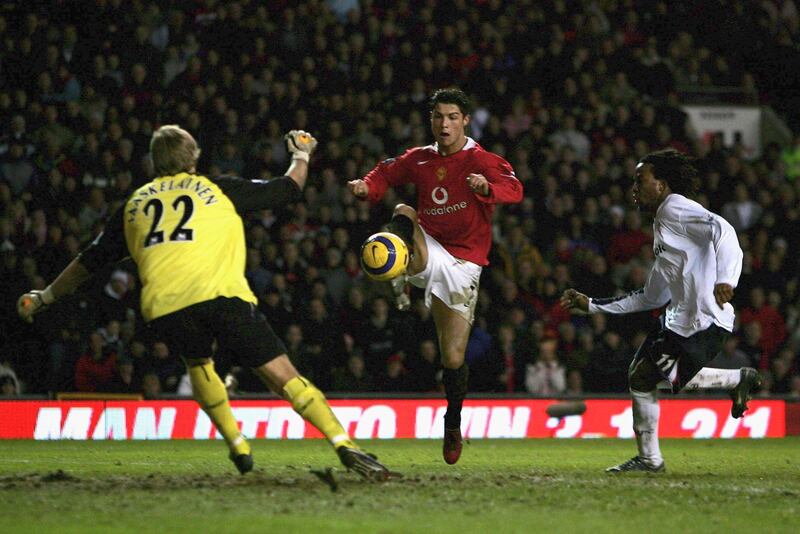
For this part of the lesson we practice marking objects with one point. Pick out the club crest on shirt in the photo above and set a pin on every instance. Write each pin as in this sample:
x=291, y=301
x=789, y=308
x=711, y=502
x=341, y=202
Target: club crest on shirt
x=441, y=172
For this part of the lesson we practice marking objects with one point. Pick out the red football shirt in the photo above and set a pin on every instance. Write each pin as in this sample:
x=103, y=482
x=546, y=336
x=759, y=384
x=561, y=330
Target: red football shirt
x=447, y=209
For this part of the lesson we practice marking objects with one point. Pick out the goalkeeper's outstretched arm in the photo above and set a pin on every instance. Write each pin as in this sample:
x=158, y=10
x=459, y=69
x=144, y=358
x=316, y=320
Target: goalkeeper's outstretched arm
x=108, y=247
x=65, y=283
x=300, y=145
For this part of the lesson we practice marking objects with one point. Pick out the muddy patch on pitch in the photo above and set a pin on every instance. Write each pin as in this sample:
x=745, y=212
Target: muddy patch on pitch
x=36, y=480
x=153, y=481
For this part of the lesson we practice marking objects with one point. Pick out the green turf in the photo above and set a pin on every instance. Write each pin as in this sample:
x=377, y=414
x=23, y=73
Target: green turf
x=498, y=486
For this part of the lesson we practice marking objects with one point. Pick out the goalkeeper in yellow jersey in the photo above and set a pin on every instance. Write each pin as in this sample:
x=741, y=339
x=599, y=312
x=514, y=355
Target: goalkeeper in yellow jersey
x=185, y=233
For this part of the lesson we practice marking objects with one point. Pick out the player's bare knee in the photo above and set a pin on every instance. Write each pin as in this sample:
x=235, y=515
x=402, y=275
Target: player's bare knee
x=453, y=359
x=408, y=211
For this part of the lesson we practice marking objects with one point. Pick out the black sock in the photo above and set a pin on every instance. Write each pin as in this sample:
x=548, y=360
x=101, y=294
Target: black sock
x=455, y=389
x=403, y=226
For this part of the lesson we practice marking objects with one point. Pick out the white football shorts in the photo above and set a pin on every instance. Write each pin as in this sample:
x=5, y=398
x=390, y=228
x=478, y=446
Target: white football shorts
x=454, y=281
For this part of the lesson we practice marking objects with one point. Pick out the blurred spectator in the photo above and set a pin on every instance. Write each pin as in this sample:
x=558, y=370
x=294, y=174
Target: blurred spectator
x=394, y=377
x=112, y=304
x=731, y=357
x=353, y=378
x=300, y=354
x=257, y=276
x=567, y=135
x=325, y=341
x=7, y=374
x=111, y=337
x=335, y=275
x=578, y=358
x=574, y=383
x=546, y=376
x=151, y=386
x=94, y=211
x=167, y=368
x=16, y=169
x=773, y=328
x=767, y=383
x=382, y=337
x=794, y=392
x=750, y=344
x=503, y=370
x=8, y=386
x=96, y=370
x=608, y=365
x=742, y=212
x=124, y=377
x=275, y=305
x=626, y=245
x=426, y=369
x=781, y=376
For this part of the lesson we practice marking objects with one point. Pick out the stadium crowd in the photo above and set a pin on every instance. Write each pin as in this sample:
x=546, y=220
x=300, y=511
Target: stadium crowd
x=572, y=93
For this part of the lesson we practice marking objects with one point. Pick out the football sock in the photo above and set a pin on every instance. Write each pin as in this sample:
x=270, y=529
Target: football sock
x=311, y=404
x=709, y=377
x=455, y=389
x=645, y=424
x=210, y=393
x=403, y=227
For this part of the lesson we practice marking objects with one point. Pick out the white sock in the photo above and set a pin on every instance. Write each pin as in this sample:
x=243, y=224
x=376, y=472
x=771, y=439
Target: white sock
x=645, y=424
x=710, y=377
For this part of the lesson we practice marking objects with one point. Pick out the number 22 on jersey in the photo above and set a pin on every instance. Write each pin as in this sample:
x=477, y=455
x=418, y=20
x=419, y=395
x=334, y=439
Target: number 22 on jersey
x=155, y=208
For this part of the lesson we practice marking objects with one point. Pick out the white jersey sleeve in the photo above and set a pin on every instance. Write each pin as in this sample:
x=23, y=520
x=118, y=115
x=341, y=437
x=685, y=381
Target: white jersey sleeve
x=654, y=294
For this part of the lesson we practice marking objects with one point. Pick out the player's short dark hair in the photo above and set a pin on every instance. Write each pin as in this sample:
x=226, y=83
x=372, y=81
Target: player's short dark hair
x=452, y=95
x=674, y=168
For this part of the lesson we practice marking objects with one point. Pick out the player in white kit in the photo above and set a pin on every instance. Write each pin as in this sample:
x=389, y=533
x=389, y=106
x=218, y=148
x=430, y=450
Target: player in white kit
x=697, y=266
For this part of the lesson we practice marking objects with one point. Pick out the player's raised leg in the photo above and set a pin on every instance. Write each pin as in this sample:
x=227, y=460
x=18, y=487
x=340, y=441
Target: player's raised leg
x=404, y=224
x=453, y=331
x=740, y=382
x=281, y=377
x=209, y=391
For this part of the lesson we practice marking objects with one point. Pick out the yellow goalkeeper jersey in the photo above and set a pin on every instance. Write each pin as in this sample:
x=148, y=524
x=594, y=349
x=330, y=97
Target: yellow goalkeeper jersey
x=186, y=235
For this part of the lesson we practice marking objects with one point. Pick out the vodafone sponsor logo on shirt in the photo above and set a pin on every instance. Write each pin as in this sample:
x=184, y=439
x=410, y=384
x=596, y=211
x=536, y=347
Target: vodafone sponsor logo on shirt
x=440, y=197
x=382, y=419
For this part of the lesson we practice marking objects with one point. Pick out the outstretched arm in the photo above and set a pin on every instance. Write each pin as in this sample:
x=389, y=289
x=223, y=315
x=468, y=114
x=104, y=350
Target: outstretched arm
x=250, y=195
x=107, y=247
x=654, y=294
x=68, y=281
x=300, y=144
x=388, y=173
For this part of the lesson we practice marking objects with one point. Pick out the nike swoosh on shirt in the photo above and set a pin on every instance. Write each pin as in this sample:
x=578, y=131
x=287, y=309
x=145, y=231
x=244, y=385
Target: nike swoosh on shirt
x=423, y=162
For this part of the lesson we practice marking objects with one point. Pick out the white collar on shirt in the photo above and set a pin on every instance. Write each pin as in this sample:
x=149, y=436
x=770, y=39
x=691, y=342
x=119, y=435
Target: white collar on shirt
x=468, y=145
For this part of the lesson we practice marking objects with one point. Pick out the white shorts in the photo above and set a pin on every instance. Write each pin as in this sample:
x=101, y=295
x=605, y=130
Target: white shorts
x=454, y=281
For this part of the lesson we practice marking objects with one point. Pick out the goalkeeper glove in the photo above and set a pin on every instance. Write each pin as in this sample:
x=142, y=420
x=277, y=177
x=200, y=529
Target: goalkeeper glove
x=300, y=143
x=33, y=302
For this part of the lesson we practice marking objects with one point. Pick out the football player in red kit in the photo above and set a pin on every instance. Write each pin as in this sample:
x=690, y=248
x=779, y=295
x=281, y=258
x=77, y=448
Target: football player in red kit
x=449, y=234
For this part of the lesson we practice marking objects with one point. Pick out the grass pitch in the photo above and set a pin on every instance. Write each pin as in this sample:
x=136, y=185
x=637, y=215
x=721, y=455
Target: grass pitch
x=498, y=486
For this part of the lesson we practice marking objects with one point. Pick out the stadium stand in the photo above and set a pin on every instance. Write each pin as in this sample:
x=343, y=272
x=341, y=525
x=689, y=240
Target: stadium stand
x=572, y=93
